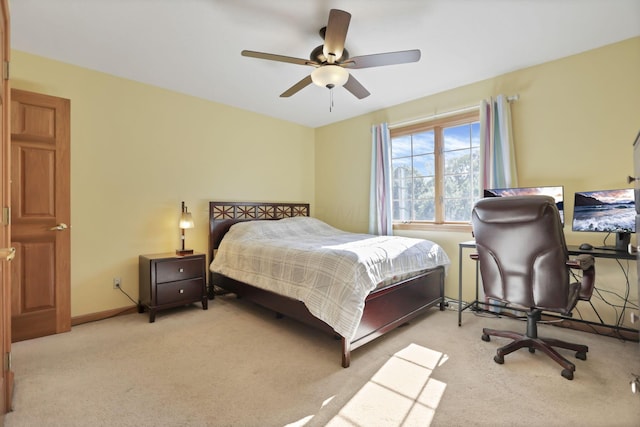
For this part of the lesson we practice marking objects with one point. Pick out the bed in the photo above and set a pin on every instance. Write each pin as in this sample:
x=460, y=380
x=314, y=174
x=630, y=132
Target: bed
x=378, y=300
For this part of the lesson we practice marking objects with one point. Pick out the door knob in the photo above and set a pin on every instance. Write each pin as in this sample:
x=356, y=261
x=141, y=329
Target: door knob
x=8, y=253
x=59, y=227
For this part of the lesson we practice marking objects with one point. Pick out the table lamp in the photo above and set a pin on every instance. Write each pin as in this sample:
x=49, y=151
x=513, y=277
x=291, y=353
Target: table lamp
x=186, y=221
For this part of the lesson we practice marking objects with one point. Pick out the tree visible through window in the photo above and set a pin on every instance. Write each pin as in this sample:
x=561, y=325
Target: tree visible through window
x=436, y=170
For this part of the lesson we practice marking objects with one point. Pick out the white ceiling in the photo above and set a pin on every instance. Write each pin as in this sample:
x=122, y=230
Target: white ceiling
x=193, y=46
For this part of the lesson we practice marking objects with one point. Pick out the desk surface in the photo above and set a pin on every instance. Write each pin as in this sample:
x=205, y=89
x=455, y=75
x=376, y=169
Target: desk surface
x=575, y=250
x=600, y=253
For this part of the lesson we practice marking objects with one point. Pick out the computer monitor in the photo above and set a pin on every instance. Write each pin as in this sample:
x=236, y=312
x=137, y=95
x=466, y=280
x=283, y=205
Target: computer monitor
x=610, y=211
x=557, y=192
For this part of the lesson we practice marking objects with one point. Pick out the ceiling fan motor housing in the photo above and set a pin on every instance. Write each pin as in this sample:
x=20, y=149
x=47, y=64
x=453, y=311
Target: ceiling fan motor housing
x=317, y=55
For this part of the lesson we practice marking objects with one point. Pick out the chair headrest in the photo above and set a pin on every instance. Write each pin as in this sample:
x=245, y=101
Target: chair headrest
x=513, y=209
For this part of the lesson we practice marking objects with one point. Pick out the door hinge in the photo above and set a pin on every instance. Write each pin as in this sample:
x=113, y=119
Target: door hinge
x=7, y=363
x=6, y=215
x=5, y=70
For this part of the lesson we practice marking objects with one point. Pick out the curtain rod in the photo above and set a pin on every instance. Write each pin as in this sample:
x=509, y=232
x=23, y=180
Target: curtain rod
x=512, y=98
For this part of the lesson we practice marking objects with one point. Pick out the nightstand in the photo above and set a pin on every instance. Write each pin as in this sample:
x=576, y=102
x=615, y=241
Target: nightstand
x=169, y=280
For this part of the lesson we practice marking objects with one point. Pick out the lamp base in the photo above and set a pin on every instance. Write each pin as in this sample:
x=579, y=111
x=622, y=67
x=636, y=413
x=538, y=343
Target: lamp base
x=182, y=252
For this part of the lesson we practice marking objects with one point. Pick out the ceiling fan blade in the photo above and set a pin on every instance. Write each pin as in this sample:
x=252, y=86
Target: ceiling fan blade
x=336, y=34
x=354, y=86
x=279, y=58
x=296, y=87
x=380, y=59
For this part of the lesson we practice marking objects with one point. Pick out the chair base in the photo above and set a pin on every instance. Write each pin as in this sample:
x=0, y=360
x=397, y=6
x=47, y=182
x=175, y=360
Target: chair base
x=533, y=343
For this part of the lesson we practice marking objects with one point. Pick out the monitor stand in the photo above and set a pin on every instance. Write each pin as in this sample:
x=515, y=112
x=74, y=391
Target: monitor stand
x=623, y=239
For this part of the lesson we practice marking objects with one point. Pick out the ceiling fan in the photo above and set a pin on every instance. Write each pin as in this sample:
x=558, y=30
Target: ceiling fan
x=331, y=60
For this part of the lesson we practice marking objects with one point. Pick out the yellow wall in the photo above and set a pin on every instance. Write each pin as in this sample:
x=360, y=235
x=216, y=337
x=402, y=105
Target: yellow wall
x=137, y=151
x=574, y=125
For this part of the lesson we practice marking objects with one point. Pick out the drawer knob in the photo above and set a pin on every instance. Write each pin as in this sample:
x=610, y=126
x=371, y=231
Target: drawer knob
x=181, y=270
x=182, y=291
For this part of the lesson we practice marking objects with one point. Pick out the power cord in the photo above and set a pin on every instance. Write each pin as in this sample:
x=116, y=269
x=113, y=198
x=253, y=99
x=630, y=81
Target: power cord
x=599, y=294
x=128, y=296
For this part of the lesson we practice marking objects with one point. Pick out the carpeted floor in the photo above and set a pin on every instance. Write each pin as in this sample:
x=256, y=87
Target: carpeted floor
x=236, y=365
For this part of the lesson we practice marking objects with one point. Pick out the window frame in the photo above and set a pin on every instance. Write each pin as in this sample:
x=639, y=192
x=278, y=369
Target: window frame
x=436, y=125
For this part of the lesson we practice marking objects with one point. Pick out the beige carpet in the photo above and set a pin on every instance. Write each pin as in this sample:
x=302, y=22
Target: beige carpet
x=236, y=365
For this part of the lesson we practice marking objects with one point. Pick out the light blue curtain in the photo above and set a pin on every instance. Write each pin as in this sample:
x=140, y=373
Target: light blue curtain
x=380, y=214
x=498, y=160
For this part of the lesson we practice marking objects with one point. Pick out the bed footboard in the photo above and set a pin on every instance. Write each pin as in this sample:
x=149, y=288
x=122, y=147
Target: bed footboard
x=395, y=305
x=384, y=310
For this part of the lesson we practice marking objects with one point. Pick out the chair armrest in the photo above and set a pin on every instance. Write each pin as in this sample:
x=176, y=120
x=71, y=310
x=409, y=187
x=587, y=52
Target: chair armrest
x=582, y=261
x=586, y=263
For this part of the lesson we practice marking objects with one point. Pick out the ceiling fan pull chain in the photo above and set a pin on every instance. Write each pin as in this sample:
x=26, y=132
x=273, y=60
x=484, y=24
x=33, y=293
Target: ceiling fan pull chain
x=330, y=100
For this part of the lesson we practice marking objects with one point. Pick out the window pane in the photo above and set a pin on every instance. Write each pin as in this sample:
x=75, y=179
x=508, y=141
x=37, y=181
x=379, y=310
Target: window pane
x=456, y=162
x=402, y=190
x=457, y=209
x=475, y=175
x=475, y=134
x=401, y=210
x=424, y=188
x=425, y=210
x=456, y=186
x=401, y=146
x=424, y=165
x=401, y=168
x=424, y=199
x=423, y=143
x=461, y=171
x=457, y=137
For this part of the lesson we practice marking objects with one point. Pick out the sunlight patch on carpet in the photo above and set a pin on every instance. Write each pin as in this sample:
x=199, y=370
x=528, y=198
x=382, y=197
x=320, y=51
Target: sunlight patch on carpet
x=401, y=393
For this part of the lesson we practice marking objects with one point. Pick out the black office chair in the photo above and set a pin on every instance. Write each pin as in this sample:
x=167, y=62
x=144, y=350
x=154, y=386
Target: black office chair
x=525, y=266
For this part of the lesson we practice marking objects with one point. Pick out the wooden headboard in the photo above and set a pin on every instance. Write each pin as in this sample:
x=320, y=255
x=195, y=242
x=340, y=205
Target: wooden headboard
x=223, y=215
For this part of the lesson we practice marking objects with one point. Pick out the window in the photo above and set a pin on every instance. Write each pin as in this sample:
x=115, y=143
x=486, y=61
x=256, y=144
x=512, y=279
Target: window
x=436, y=170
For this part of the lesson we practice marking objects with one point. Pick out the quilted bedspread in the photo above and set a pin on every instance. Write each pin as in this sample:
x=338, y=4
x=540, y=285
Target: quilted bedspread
x=331, y=271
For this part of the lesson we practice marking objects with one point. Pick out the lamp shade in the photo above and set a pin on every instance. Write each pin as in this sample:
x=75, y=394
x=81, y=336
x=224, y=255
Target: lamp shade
x=329, y=76
x=186, y=221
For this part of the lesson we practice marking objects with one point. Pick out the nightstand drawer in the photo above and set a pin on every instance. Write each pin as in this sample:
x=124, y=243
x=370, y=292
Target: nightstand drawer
x=188, y=290
x=181, y=269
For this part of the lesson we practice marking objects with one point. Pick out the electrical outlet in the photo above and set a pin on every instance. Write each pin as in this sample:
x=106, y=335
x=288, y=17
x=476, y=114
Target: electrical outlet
x=116, y=283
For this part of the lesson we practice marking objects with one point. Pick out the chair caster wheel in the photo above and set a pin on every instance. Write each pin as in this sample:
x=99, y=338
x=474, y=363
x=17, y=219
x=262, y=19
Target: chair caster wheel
x=581, y=355
x=498, y=359
x=567, y=373
x=486, y=337
x=532, y=350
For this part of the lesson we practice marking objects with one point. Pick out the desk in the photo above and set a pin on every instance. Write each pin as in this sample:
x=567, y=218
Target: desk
x=573, y=250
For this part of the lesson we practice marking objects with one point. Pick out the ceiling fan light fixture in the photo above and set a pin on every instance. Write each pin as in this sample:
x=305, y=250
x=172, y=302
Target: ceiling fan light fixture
x=329, y=76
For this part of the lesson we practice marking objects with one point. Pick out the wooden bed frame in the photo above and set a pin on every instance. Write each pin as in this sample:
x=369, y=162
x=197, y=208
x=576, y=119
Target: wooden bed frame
x=385, y=309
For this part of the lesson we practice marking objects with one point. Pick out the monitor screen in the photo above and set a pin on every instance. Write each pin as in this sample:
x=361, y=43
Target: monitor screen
x=611, y=211
x=557, y=192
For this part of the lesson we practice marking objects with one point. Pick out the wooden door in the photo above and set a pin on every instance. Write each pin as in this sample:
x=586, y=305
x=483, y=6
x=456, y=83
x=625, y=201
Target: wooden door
x=40, y=215
x=6, y=381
